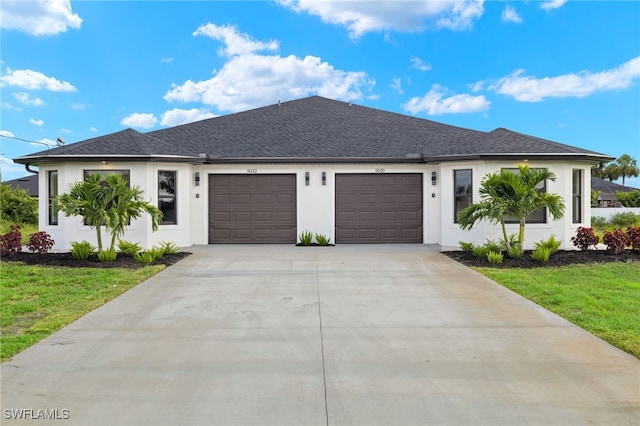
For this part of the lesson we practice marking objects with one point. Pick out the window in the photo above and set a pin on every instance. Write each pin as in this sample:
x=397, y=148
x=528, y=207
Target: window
x=576, y=197
x=104, y=173
x=462, y=183
x=52, y=178
x=537, y=216
x=167, y=196
x=103, y=177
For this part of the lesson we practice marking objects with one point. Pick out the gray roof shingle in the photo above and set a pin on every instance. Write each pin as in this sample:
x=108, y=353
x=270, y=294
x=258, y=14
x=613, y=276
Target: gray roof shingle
x=313, y=128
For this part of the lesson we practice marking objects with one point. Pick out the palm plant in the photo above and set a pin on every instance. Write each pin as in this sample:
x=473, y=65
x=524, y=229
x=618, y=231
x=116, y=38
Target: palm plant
x=507, y=195
x=111, y=203
x=627, y=166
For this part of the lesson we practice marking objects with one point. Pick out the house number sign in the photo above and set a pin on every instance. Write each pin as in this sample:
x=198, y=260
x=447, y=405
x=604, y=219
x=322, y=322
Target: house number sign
x=380, y=170
x=252, y=170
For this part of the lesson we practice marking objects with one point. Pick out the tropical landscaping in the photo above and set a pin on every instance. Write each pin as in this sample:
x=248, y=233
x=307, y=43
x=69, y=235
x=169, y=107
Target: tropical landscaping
x=597, y=289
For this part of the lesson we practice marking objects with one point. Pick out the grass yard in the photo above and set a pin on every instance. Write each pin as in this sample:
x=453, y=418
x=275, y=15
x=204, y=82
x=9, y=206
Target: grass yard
x=603, y=299
x=37, y=301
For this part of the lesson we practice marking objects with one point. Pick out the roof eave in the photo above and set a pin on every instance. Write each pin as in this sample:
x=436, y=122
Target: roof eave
x=36, y=159
x=588, y=157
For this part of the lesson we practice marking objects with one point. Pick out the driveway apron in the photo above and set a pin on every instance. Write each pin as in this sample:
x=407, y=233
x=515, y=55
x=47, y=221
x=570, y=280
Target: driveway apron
x=345, y=335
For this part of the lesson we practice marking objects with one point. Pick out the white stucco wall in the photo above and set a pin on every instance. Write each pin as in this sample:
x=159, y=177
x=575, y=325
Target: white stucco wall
x=563, y=229
x=315, y=203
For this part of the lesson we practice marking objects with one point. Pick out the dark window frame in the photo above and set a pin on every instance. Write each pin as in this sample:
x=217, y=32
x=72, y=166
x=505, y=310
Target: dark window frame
x=52, y=192
x=167, y=199
x=461, y=199
x=576, y=195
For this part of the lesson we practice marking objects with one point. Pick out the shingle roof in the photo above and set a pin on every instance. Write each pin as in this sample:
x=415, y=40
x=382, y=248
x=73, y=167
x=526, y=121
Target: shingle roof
x=28, y=183
x=607, y=187
x=314, y=128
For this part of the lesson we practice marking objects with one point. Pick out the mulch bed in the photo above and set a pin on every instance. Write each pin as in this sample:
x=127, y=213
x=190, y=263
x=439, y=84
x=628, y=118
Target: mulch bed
x=560, y=258
x=65, y=259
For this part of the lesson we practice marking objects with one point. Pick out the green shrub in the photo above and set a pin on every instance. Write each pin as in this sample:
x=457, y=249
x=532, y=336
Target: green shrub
x=629, y=199
x=515, y=252
x=495, y=258
x=168, y=247
x=496, y=246
x=625, y=219
x=107, y=255
x=305, y=238
x=466, y=246
x=541, y=254
x=552, y=244
x=149, y=256
x=598, y=221
x=82, y=250
x=322, y=240
x=129, y=248
x=480, y=251
x=17, y=206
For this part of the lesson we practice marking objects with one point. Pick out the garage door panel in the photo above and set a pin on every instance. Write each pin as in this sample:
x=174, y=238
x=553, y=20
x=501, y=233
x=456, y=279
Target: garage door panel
x=252, y=208
x=379, y=208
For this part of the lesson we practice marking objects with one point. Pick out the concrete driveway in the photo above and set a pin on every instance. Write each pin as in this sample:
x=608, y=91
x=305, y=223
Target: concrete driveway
x=347, y=335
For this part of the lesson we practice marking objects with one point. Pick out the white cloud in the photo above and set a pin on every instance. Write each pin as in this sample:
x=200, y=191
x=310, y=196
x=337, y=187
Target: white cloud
x=140, y=120
x=509, y=14
x=166, y=60
x=360, y=17
x=419, y=64
x=24, y=98
x=93, y=129
x=235, y=43
x=39, y=17
x=8, y=166
x=6, y=133
x=434, y=103
x=8, y=106
x=396, y=85
x=178, y=116
x=34, y=80
x=531, y=89
x=78, y=106
x=552, y=4
x=36, y=122
x=249, y=79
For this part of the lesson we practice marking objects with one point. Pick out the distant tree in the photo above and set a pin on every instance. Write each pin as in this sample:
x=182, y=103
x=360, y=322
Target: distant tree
x=629, y=199
x=611, y=172
x=627, y=166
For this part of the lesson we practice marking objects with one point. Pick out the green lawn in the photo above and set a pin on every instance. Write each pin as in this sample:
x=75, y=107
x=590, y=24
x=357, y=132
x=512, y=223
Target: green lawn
x=603, y=299
x=36, y=301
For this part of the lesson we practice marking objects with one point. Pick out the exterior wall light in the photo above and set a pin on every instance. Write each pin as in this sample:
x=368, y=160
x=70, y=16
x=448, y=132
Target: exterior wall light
x=434, y=178
x=306, y=178
x=324, y=178
x=196, y=178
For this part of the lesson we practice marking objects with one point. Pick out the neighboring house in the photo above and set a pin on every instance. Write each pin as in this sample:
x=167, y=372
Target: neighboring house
x=607, y=189
x=28, y=183
x=352, y=173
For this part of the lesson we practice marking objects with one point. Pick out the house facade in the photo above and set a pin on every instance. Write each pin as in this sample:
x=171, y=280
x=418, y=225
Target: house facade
x=354, y=174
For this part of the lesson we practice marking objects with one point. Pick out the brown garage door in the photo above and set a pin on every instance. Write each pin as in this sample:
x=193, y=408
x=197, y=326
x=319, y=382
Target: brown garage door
x=379, y=208
x=252, y=209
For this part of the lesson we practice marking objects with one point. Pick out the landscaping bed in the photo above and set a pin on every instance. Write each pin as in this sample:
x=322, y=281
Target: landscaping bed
x=559, y=258
x=65, y=259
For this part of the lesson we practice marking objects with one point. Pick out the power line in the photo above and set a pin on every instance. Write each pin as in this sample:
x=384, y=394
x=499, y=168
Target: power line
x=59, y=141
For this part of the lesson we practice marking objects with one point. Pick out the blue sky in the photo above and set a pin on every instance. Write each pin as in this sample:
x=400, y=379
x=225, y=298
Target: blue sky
x=568, y=71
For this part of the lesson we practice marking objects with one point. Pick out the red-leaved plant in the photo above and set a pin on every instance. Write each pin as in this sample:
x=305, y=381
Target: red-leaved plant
x=585, y=237
x=40, y=242
x=633, y=235
x=616, y=241
x=11, y=242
